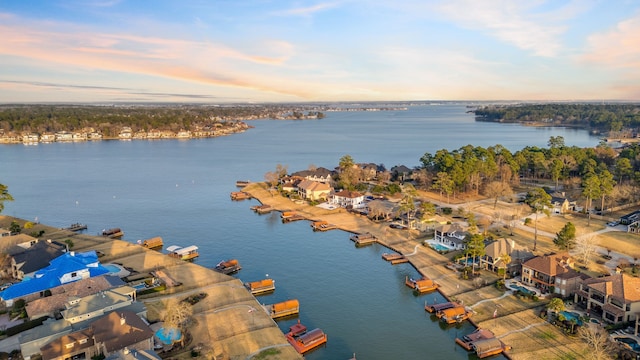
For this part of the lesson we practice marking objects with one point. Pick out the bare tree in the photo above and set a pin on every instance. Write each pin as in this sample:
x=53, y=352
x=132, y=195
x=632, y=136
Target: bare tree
x=497, y=190
x=177, y=315
x=597, y=338
x=585, y=246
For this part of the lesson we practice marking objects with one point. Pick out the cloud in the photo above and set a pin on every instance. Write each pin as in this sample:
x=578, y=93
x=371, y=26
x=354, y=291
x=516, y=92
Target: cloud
x=520, y=23
x=305, y=11
x=618, y=47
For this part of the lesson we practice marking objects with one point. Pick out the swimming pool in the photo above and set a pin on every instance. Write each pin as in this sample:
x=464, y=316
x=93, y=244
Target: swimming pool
x=572, y=316
x=522, y=289
x=633, y=344
x=439, y=247
x=113, y=268
x=168, y=336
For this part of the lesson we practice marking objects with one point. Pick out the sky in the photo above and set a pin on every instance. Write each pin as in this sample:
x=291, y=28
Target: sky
x=256, y=51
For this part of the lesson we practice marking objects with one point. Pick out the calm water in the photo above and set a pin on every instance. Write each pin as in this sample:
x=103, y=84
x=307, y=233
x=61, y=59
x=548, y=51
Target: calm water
x=179, y=190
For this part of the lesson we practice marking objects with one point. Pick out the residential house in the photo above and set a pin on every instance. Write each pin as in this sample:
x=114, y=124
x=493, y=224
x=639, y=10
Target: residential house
x=494, y=250
x=33, y=339
x=62, y=136
x=347, y=199
x=321, y=175
x=4, y=232
x=451, y=235
x=400, y=173
x=60, y=295
x=290, y=183
x=541, y=271
x=68, y=267
x=47, y=137
x=26, y=261
x=106, y=336
x=568, y=283
x=30, y=138
x=313, y=190
x=370, y=171
x=560, y=204
x=126, y=133
x=616, y=298
x=96, y=305
x=632, y=221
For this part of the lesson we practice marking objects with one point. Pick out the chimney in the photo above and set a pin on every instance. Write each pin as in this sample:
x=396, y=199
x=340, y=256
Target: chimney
x=122, y=319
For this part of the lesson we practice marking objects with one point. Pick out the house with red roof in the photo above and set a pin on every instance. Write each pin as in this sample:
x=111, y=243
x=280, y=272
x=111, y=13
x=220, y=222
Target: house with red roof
x=616, y=298
x=541, y=271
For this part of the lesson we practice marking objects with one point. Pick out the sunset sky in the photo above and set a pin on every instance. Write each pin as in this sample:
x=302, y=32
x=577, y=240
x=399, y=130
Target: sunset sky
x=344, y=50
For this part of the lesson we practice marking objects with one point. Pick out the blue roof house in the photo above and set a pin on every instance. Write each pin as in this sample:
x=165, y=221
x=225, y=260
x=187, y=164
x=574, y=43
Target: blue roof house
x=66, y=268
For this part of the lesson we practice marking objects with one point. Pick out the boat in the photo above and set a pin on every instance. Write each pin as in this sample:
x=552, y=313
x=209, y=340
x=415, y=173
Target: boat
x=435, y=308
x=479, y=334
x=456, y=314
x=242, y=183
x=421, y=285
x=154, y=243
x=240, y=195
x=114, y=233
x=283, y=309
x=228, y=267
x=322, y=226
x=76, y=227
x=261, y=287
x=304, y=340
x=183, y=253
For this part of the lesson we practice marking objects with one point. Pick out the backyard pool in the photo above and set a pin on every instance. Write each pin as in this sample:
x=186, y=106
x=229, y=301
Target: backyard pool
x=572, y=316
x=168, y=336
x=522, y=289
x=633, y=344
x=113, y=268
x=439, y=247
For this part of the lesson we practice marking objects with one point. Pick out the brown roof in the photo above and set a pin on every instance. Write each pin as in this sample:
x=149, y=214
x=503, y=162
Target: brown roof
x=311, y=185
x=348, y=194
x=551, y=265
x=120, y=329
x=68, y=344
x=620, y=286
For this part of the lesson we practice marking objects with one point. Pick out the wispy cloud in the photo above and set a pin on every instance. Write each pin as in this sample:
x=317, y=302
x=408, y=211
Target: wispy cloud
x=618, y=47
x=305, y=11
x=520, y=23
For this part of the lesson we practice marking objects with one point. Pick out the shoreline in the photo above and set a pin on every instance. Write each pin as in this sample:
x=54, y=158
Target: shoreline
x=514, y=315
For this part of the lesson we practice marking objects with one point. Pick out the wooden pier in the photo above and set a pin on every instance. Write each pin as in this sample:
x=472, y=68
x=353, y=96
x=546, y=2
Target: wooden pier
x=262, y=209
x=283, y=309
x=76, y=227
x=240, y=195
x=289, y=216
x=323, y=226
x=395, y=258
x=363, y=239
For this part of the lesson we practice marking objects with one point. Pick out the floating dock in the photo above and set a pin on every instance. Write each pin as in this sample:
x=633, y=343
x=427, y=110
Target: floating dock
x=435, y=308
x=283, y=309
x=154, y=243
x=261, y=287
x=289, y=216
x=421, y=285
x=240, y=195
x=262, y=209
x=363, y=239
x=322, y=226
x=76, y=227
x=303, y=340
x=479, y=334
x=183, y=253
x=242, y=183
x=115, y=233
x=456, y=314
x=228, y=267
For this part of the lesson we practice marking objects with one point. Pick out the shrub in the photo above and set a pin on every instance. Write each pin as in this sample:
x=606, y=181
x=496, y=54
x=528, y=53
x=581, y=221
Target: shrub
x=447, y=210
x=528, y=221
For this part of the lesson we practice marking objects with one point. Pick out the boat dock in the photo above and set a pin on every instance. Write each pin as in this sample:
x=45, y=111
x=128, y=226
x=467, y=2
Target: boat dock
x=363, y=239
x=303, y=340
x=76, y=227
x=114, y=233
x=242, y=183
x=262, y=209
x=290, y=216
x=435, y=308
x=323, y=226
x=395, y=258
x=421, y=285
x=240, y=195
x=261, y=287
x=456, y=314
x=228, y=267
x=183, y=253
x=283, y=309
x=154, y=243
x=483, y=342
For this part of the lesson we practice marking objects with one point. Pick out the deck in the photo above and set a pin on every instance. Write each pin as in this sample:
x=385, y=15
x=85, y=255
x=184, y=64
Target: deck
x=262, y=209
x=240, y=195
x=323, y=226
x=363, y=239
x=421, y=285
x=261, y=287
x=283, y=309
x=76, y=227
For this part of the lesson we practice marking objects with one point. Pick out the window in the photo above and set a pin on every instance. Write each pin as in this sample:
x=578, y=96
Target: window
x=69, y=346
x=82, y=341
x=74, y=274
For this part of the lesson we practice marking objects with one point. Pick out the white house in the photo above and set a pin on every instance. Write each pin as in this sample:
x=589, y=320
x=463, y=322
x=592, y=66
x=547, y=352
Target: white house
x=346, y=198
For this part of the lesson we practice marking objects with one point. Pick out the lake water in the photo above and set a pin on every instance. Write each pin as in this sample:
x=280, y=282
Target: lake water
x=179, y=190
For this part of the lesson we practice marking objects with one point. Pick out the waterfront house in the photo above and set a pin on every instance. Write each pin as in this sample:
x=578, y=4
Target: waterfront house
x=96, y=305
x=47, y=137
x=400, y=173
x=451, y=235
x=347, y=199
x=568, y=283
x=62, y=136
x=560, y=204
x=95, y=136
x=313, y=190
x=68, y=267
x=321, y=175
x=106, y=336
x=32, y=340
x=616, y=298
x=494, y=250
x=26, y=261
x=126, y=133
x=541, y=271
x=370, y=171
x=381, y=209
x=30, y=138
x=60, y=295
x=80, y=136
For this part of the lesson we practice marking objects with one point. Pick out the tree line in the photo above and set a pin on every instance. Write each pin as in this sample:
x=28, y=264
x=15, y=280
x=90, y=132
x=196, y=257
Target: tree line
x=607, y=118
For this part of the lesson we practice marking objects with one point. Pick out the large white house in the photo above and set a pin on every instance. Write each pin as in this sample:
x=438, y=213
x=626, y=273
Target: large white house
x=346, y=198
